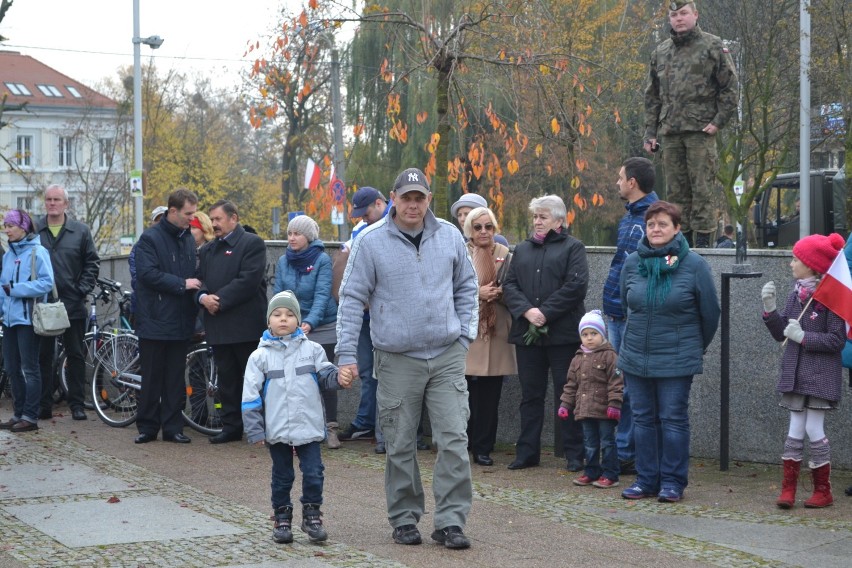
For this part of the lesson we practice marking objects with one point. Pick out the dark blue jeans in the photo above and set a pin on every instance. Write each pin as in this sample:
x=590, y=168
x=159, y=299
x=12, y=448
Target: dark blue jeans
x=661, y=431
x=624, y=434
x=601, y=454
x=283, y=474
x=365, y=419
x=20, y=355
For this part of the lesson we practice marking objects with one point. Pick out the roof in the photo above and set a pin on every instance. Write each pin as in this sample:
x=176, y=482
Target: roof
x=47, y=87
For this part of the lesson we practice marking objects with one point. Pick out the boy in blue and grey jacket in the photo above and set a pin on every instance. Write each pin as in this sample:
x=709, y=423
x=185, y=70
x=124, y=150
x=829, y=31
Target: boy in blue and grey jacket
x=282, y=408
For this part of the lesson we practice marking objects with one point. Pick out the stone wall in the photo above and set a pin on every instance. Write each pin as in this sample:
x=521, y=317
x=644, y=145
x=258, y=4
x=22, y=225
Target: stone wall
x=758, y=424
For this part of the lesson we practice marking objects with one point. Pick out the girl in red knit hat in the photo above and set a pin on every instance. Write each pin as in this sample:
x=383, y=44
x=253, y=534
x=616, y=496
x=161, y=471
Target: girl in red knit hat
x=811, y=367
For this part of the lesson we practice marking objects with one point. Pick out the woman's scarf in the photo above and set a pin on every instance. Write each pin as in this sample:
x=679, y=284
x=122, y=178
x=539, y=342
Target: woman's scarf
x=658, y=264
x=303, y=261
x=538, y=238
x=805, y=288
x=486, y=273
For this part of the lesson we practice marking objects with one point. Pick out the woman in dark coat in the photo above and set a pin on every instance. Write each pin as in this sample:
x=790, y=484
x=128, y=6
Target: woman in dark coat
x=544, y=292
x=672, y=316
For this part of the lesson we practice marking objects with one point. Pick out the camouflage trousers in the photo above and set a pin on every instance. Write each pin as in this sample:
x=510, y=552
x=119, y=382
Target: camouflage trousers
x=690, y=162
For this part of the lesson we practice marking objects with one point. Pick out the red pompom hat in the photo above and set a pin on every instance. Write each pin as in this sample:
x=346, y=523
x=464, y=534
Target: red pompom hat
x=817, y=252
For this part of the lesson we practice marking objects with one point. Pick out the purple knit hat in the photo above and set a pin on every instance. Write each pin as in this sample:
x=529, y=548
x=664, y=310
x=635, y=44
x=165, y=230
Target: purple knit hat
x=20, y=218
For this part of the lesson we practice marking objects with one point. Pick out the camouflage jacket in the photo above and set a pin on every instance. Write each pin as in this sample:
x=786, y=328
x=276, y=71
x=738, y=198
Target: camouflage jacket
x=692, y=82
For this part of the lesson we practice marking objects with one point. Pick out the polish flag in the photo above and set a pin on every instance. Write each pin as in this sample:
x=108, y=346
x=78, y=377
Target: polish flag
x=312, y=175
x=835, y=290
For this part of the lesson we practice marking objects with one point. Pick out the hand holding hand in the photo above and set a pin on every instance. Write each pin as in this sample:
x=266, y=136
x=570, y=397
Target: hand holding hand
x=794, y=331
x=211, y=302
x=344, y=377
x=613, y=413
x=767, y=294
x=563, y=413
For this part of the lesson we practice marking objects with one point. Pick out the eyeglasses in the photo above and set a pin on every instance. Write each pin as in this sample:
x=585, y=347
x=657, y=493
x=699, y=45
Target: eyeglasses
x=487, y=227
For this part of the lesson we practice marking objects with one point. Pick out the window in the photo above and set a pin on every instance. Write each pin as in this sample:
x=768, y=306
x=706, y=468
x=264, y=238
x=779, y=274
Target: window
x=49, y=90
x=65, y=152
x=24, y=152
x=25, y=203
x=19, y=89
x=74, y=91
x=106, y=147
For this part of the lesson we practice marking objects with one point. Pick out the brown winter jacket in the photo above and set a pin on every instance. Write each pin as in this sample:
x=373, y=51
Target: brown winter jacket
x=594, y=383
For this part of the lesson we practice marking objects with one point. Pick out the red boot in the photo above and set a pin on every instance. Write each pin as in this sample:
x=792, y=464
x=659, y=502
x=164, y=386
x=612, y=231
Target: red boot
x=788, y=486
x=822, y=487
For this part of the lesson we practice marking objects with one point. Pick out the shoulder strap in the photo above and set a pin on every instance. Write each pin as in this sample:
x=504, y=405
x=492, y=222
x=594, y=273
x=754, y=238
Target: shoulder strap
x=33, y=275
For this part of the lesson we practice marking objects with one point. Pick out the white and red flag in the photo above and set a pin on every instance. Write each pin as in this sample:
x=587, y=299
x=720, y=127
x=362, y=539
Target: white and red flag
x=835, y=290
x=312, y=175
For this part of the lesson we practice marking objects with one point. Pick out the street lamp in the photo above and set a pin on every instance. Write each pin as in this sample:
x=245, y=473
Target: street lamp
x=337, y=123
x=153, y=42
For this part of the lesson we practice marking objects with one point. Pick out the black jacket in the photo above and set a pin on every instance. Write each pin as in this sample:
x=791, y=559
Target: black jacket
x=165, y=258
x=75, y=261
x=235, y=270
x=553, y=277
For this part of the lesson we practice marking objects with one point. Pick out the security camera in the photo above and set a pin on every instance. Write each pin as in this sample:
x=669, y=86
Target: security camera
x=153, y=41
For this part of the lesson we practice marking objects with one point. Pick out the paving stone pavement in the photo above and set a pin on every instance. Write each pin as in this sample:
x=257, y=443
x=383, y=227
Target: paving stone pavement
x=82, y=494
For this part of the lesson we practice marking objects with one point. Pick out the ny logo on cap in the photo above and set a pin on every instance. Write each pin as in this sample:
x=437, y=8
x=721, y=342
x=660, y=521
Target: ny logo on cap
x=412, y=176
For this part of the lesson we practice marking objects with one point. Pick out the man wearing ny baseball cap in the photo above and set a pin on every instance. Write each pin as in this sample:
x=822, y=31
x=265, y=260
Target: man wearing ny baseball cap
x=414, y=272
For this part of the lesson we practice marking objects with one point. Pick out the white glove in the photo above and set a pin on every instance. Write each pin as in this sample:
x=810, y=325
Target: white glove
x=794, y=331
x=767, y=294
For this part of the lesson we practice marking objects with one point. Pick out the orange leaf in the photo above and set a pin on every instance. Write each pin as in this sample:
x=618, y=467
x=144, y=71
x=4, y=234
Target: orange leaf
x=597, y=200
x=512, y=166
x=303, y=19
x=113, y=499
x=570, y=217
x=549, y=169
x=313, y=4
x=358, y=129
x=554, y=126
x=617, y=117
x=422, y=116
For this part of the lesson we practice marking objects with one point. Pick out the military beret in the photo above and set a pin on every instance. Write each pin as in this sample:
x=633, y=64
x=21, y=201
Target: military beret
x=677, y=4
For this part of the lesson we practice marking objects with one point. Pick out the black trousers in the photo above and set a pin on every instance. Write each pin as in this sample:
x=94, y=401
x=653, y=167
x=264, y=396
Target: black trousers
x=72, y=340
x=533, y=364
x=163, y=393
x=484, y=399
x=231, y=360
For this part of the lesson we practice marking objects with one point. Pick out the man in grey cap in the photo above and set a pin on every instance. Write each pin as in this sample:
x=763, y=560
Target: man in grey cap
x=158, y=213
x=419, y=353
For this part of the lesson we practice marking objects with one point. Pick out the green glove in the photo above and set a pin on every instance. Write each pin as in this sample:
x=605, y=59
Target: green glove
x=534, y=333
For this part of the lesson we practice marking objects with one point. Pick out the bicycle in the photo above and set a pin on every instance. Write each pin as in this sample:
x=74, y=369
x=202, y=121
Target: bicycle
x=116, y=387
x=105, y=291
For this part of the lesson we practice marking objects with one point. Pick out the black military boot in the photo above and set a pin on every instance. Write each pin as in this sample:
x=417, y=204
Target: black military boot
x=312, y=523
x=283, y=532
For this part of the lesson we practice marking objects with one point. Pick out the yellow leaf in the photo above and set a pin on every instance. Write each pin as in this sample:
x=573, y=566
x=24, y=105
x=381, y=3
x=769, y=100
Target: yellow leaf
x=554, y=126
x=575, y=182
x=544, y=69
x=502, y=54
x=538, y=150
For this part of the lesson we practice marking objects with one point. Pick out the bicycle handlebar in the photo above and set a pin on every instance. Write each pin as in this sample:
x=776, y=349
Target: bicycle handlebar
x=109, y=284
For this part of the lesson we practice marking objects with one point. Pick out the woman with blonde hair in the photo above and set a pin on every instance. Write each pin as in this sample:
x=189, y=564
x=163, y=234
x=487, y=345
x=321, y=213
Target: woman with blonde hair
x=202, y=229
x=490, y=357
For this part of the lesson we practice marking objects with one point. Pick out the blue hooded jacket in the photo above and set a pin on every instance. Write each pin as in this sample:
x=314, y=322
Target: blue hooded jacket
x=313, y=289
x=17, y=306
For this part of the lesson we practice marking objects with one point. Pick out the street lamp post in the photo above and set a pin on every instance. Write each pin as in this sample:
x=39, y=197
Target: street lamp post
x=154, y=42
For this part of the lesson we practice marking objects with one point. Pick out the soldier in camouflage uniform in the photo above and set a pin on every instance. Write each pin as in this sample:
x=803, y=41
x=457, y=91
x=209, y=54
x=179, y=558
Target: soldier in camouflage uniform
x=692, y=93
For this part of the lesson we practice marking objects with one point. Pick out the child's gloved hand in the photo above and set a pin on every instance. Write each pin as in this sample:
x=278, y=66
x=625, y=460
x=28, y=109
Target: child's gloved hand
x=794, y=331
x=613, y=413
x=563, y=413
x=767, y=294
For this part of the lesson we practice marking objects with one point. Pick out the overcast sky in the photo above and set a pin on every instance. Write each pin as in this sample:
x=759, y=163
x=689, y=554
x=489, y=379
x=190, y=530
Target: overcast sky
x=88, y=40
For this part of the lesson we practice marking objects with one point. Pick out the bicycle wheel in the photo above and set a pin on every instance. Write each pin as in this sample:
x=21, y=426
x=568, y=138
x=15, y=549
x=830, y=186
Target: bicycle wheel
x=116, y=380
x=202, y=406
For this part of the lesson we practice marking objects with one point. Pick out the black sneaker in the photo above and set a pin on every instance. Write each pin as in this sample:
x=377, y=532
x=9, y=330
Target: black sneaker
x=407, y=534
x=451, y=537
x=352, y=433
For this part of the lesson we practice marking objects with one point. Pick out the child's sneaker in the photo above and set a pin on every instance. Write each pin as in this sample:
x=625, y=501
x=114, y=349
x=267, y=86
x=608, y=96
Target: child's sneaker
x=604, y=483
x=283, y=532
x=583, y=480
x=636, y=491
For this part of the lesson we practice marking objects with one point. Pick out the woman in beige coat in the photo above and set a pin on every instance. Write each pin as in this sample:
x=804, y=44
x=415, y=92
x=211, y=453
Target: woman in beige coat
x=491, y=356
